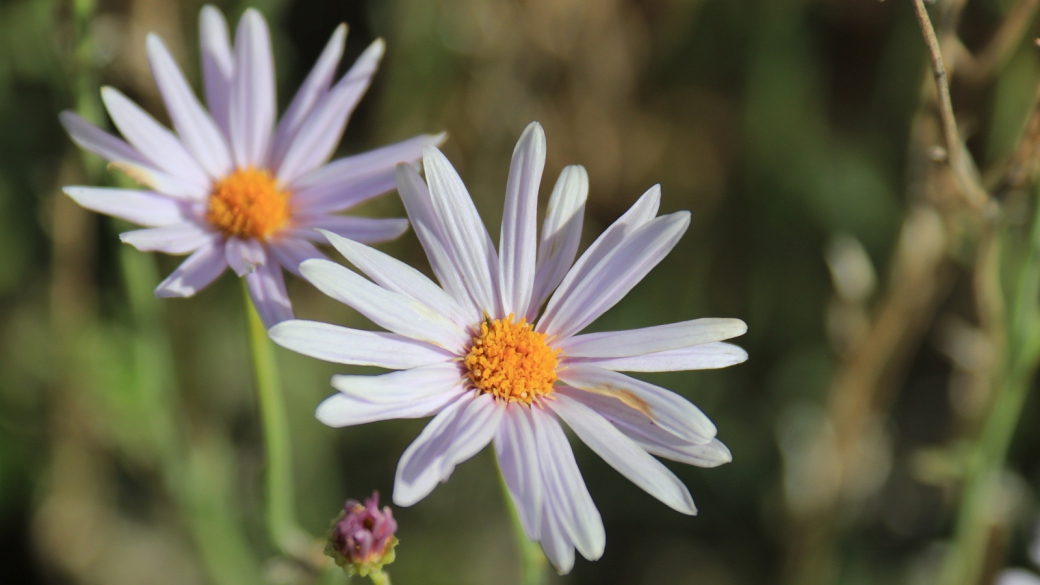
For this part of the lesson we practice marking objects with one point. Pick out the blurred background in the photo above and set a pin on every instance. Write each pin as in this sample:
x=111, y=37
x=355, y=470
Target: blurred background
x=799, y=133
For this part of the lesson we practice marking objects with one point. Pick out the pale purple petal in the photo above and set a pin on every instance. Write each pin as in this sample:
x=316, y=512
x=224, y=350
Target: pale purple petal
x=381, y=161
x=465, y=237
x=338, y=196
x=387, y=309
x=197, y=130
x=616, y=274
x=355, y=347
x=556, y=542
x=519, y=239
x=623, y=454
x=666, y=408
x=218, y=64
x=394, y=275
x=96, y=140
x=561, y=234
x=151, y=139
x=140, y=207
x=161, y=182
x=418, y=471
x=195, y=273
x=290, y=253
x=340, y=410
x=402, y=386
x=709, y=356
x=174, y=239
x=615, y=344
x=252, y=99
x=267, y=289
x=517, y=455
x=1017, y=577
x=360, y=229
x=476, y=426
x=320, y=133
x=311, y=91
x=245, y=255
x=427, y=227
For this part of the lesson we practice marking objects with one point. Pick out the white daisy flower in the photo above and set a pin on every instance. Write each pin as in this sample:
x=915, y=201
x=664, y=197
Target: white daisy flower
x=478, y=356
x=230, y=187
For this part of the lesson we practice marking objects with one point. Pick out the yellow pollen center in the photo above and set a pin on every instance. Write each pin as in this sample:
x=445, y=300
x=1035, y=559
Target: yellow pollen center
x=248, y=204
x=512, y=361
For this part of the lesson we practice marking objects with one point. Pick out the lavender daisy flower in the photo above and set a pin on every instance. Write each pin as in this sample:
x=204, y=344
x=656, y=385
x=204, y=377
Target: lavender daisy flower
x=480, y=356
x=231, y=188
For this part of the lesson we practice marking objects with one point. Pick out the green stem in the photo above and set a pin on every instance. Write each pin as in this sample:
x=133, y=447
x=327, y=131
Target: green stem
x=281, y=517
x=532, y=559
x=379, y=577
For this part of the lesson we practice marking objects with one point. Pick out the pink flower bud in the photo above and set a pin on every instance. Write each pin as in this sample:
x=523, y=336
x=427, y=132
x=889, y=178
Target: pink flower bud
x=362, y=539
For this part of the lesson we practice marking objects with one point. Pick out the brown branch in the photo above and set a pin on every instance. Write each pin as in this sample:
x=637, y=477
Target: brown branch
x=992, y=58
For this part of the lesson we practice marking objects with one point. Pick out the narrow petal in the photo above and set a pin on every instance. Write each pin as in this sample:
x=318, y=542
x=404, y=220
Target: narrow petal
x=556, y=542
x=465, y=237
x=394, y=275
x=310, y=93
x=666, y=408
x=428, y=228
x=161, y=182
x=340, y=410
x=709, y=356
x=517, y=455
x=266, y=287
x=195, y=273
x=388, y=309
x=320, y=133
x=519, y=241
x=174, y=239
x=291, y=252
x=245, y=256
x=379, y=161
x=355, y=347
x=140, y=207
x=151, y=139
x=252, y=96
x=96, y=140
x=477, y=425
x=1017, y=577
x=218, y=64
x=332, y=197
x=401, y=386
x=623, y=454
x=615, y=344
x=359, y=229
x=616, y=274
x=418, y=471
x=561, y=234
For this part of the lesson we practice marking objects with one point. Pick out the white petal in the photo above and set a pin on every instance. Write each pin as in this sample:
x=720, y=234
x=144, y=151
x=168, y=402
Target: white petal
x=161, y=182
x=402, y=386
x=200, y=133
x=418, y=471
x=465, y=237
x=519, y=241
x=218, y=64
x=623, y=454
x=359, y=229
x=195, y=273
x=340, y=410
x=379, y=161
x=245, y=256
x=252, y=99
x=561, y=234
x=556, y=542
x=616, y=274
x=152, y=140
x=140, y=207
x=517, y=455
x=311, y=91
x=394, y=275
x=96, y=140
x=709, y=356
x=266, y=287
x=669, y=410
x=174, y=239
x=477, y=425
x=290, y=253
x=355, y=347
x=615, y=344
x=387, y=309
x=1017, y=577
x=321, y=132
x=338, y=196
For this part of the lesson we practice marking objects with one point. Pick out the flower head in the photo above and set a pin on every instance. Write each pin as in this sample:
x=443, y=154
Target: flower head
x=480, y=354
x=362, y=539
x=231, y=187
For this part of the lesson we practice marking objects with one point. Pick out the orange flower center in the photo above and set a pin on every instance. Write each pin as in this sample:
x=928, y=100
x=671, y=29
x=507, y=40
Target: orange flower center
x=512, y=361
x=248, y=204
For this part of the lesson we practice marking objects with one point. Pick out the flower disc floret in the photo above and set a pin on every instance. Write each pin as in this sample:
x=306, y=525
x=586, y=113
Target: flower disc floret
x=511, y=361
x=248, y=204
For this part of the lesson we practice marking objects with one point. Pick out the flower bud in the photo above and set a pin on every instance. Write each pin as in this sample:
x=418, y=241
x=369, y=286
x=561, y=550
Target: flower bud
x=362, y=539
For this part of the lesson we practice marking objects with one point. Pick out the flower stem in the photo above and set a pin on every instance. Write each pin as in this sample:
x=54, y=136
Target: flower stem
x=281, y=516
x=379, y=577
x=532, y=559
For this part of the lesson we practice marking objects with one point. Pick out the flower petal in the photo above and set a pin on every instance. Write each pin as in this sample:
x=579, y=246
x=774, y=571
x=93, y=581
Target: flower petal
x=666, y=408
x=180, y=238
x=333, y=197
x=291, y=252
x=477, y=425
x=556, y=542
x=1017, y=576
x=401, y=386
x=561, y=234
x=340, y=410
x=96, y=140
x=623, y=454
x=140, y=207
x=519, y=241
x=380, y=161
x=709, y=356
x=218, y=64
x=517, y=455
x=266, y=287
x=310, y=93
x=320, y=133
x=359, y=229
x=195, y=273
x=355, y=347
x=161, y=182
x=387, y=309
x=245, y=256
x=611, y=279
x=252, y=96
x=616, y=344
x=418, y=471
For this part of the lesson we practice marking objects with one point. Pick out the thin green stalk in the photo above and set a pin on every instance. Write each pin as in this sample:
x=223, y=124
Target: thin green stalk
x=281, y=515
x=532, y=559
x=379, y=577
